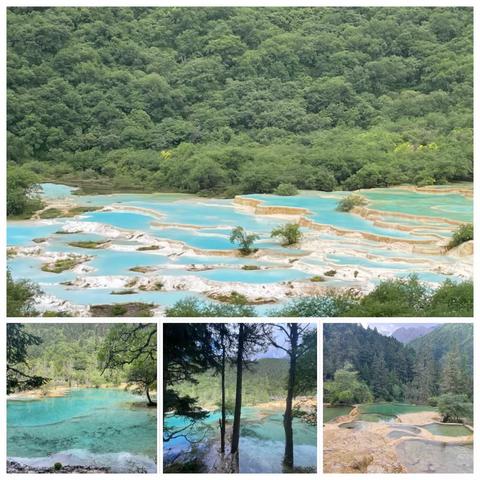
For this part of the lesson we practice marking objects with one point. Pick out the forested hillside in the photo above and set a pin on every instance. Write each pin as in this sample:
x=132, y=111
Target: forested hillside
x=383, y=363
x=382, y=368
x=67, y=352
x=263, y=381
x=452, y=337
x=235, y=100
x=75, y=354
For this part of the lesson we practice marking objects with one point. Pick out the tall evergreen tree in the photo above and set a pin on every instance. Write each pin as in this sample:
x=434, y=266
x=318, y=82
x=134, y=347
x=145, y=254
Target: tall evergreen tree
x=453, y=378
x=295, y=349
x=425, y=382
x=249, y=340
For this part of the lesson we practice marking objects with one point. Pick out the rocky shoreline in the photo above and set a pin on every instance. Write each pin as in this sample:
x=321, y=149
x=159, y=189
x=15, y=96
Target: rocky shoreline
x=15, y=467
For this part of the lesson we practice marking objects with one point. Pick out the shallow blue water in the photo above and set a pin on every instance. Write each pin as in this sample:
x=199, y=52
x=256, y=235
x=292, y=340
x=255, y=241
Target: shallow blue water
x=454, y=206
x=127, y=220
x=254, y=276
x=323, y=210
x=262, y=440
x=365, y=262
x=54, y=190
x=21, y=233
x=99, y=296
x=216, y=218
x=97, y=421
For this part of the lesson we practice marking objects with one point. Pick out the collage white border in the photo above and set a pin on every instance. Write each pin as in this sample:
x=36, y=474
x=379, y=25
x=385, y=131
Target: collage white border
x=160, y=322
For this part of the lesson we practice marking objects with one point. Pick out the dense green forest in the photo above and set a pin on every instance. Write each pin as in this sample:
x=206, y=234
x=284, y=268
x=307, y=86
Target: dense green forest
x=76, y=354
x=234, y=100
x=67, y=353
x=362, y=365
x=263, y=381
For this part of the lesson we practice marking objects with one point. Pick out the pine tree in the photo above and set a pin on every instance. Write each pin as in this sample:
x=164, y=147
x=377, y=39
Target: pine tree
x=379, y=375
x=453, y=377
x=424, y=384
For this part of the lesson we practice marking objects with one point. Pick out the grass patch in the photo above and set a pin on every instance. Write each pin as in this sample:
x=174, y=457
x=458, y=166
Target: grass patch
x=330, y=273
x=250, y=267
x=61, y=265
x=54, y=212
x=51, y=313
x=147, y=248
x=317, y=278
x=142, y=269
x=89, y=244
x=233, y=298
x=51, y=213
x=157, y=286
x=134, y=309
x=72, y=212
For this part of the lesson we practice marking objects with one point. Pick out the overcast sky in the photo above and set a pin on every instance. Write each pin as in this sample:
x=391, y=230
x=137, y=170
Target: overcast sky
x=280, y=338
x=389, y=328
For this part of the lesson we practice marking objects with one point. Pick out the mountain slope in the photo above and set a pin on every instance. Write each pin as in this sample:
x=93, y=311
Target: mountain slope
x=446, y=338
x=407, y=334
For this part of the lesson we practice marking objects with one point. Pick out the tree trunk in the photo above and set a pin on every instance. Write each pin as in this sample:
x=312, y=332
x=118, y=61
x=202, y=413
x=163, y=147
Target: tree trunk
x=223, y=420
x=288, y=417
x=150, y=401
x=238, y=392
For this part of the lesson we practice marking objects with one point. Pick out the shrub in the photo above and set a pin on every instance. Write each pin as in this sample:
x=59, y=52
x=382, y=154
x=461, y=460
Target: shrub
x=250, y=267
x=192, y=307
x=454, y=408
x=286, y=190
x=462, y=234
x=244, y=240
x=451, y=300
x=57, y=466
x=290, y=233
x=21, y=297
x=61, y=265
x=351, y=201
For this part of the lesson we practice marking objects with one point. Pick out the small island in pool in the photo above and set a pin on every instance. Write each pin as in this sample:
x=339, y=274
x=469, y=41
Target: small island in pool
x=81, y=398
x=184, y=255
x=239, y=398
x=398, y=398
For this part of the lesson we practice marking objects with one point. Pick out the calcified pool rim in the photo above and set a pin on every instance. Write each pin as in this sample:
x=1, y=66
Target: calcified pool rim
x=360, y=265
x=398, y=432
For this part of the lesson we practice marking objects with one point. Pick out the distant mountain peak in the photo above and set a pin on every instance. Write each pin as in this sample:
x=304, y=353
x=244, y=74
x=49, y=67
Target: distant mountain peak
x=407, y=334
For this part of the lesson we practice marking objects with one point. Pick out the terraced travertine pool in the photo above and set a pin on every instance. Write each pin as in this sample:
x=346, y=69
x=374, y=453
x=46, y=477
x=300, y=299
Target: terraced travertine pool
x=192, y=254
x=430, y=448
x=90, y=427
